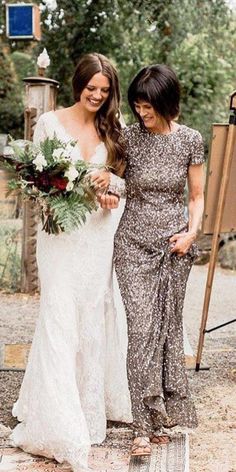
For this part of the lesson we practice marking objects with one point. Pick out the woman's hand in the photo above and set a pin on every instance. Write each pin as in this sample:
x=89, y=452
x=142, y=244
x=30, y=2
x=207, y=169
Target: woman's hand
x=181, y=242
x=101, y=180
x=108, y=201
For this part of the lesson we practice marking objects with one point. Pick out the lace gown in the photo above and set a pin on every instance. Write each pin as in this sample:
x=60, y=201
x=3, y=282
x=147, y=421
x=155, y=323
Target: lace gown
x=76, y=374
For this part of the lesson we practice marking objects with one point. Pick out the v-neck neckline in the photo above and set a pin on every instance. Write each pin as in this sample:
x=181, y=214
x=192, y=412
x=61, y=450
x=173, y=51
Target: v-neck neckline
x=100, y=144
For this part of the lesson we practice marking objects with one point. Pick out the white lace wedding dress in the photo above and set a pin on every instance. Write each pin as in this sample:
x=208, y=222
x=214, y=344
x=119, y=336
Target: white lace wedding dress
x=76, y=373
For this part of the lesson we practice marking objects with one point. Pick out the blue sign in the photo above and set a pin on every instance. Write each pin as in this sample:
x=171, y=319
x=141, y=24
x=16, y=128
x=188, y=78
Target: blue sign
x=19, y=21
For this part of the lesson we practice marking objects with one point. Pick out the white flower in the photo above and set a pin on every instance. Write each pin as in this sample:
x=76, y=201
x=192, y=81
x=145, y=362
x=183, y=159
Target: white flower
x=43, y=59
x=40, y=162
x=71, y=173
x=69, y=154
x=58, y=154
x=74, y=157
x=69, y=149
x=69, y=186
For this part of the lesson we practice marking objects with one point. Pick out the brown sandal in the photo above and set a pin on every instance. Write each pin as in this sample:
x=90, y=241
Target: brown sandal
x=141, y=447
x=160, y=439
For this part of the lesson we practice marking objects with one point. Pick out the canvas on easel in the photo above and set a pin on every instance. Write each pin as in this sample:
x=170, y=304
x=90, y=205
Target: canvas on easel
x=214, y=175
x=220, y=204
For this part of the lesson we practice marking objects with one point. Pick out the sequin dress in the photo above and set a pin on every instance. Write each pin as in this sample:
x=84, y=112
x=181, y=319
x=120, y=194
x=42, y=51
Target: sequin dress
x=151, y=279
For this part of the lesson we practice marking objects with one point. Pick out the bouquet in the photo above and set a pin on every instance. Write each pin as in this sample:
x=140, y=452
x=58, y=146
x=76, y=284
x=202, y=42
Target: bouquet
x=58, y=183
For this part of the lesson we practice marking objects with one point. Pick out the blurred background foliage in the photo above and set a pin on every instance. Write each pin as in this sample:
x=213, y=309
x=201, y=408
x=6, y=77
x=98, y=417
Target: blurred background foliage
x=197, y=38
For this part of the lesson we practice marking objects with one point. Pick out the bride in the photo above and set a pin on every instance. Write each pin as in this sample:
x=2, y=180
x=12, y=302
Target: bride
x=76, y=374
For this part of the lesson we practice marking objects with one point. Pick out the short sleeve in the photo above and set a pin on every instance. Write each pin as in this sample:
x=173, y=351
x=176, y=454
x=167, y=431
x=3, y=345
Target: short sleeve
x=40, y=131
x=196, y=149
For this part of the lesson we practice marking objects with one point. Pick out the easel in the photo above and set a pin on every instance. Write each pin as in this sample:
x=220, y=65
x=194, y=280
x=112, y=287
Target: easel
x=218, y=222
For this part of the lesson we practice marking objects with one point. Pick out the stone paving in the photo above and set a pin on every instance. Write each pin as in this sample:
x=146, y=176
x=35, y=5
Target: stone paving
x=167, y=458
x=212, y=446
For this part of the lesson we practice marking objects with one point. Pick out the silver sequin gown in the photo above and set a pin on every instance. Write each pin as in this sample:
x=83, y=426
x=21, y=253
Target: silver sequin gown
x=151, y=279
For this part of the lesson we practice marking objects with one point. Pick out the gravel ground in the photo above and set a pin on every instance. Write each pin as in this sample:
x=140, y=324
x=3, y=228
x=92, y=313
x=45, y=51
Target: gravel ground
x=212, y=445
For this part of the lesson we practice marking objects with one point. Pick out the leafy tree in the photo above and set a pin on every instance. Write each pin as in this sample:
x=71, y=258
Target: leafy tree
x=11, y=103
x=24, y=64
x=196, y=37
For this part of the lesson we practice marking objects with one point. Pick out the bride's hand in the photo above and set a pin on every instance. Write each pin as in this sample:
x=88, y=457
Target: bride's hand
x=181, y=242
x=108, y=201
x=101, y=180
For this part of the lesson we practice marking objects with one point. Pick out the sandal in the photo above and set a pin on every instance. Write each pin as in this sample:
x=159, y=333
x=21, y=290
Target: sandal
x=160, y=439
x=141, y=447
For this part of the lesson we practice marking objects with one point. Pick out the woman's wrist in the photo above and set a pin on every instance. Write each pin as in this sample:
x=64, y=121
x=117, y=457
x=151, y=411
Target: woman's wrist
x=109, y=174
x=192, y=234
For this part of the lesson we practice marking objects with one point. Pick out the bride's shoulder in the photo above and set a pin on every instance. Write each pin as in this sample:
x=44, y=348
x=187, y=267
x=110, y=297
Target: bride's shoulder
x=52, y=120
x=47, y=117
x=46, y=126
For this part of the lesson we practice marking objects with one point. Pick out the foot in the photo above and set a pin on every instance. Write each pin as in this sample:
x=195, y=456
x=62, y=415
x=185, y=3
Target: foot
x=141, y=447
x=160, y=439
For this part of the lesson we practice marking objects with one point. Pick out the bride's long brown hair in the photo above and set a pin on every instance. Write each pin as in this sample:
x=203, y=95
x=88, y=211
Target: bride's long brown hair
x=107, y=118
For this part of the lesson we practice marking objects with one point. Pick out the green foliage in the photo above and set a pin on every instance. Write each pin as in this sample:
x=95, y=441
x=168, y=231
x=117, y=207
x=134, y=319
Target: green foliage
x=70, y=213
x=24, y=64
x=10, y=252
x=197, y=38
x=47, y=147
x=11, y=95
x=23, y=153
x=203, y=44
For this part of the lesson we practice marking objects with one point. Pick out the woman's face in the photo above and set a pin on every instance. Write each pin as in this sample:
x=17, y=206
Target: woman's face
x=95, y=93
x=149, y=116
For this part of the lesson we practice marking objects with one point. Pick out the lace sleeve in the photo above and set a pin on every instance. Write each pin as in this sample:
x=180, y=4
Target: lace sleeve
x=39, y=132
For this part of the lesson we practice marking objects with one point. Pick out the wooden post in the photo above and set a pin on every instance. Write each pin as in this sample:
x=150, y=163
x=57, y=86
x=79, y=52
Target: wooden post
x=40, y=97
x=231, y=140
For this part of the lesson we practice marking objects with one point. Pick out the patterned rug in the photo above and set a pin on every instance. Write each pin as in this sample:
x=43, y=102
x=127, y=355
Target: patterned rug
x=171, y=457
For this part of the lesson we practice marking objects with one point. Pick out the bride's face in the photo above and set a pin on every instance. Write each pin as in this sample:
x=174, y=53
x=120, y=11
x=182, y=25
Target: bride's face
x=95, y=93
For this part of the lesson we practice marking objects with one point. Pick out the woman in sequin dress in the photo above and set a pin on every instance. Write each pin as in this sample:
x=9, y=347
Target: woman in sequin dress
x=154, y=252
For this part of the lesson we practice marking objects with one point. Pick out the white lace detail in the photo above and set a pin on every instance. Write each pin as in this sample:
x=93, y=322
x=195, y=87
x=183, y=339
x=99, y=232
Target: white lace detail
x=76, y=373
x=117, y=186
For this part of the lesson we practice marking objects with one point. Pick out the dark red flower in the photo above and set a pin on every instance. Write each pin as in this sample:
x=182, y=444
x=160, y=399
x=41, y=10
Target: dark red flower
x=59, y=182
x=42, y=180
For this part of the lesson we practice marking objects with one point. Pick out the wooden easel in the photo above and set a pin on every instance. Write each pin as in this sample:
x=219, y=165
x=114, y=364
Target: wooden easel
x=217, y=226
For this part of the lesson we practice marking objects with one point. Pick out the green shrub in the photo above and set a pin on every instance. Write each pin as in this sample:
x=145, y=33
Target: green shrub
x=25, y=65
x=11, y=98
x=10, y=255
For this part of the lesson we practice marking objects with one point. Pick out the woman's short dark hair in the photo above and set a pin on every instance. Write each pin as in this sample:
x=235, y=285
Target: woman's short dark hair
x=158, y=85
